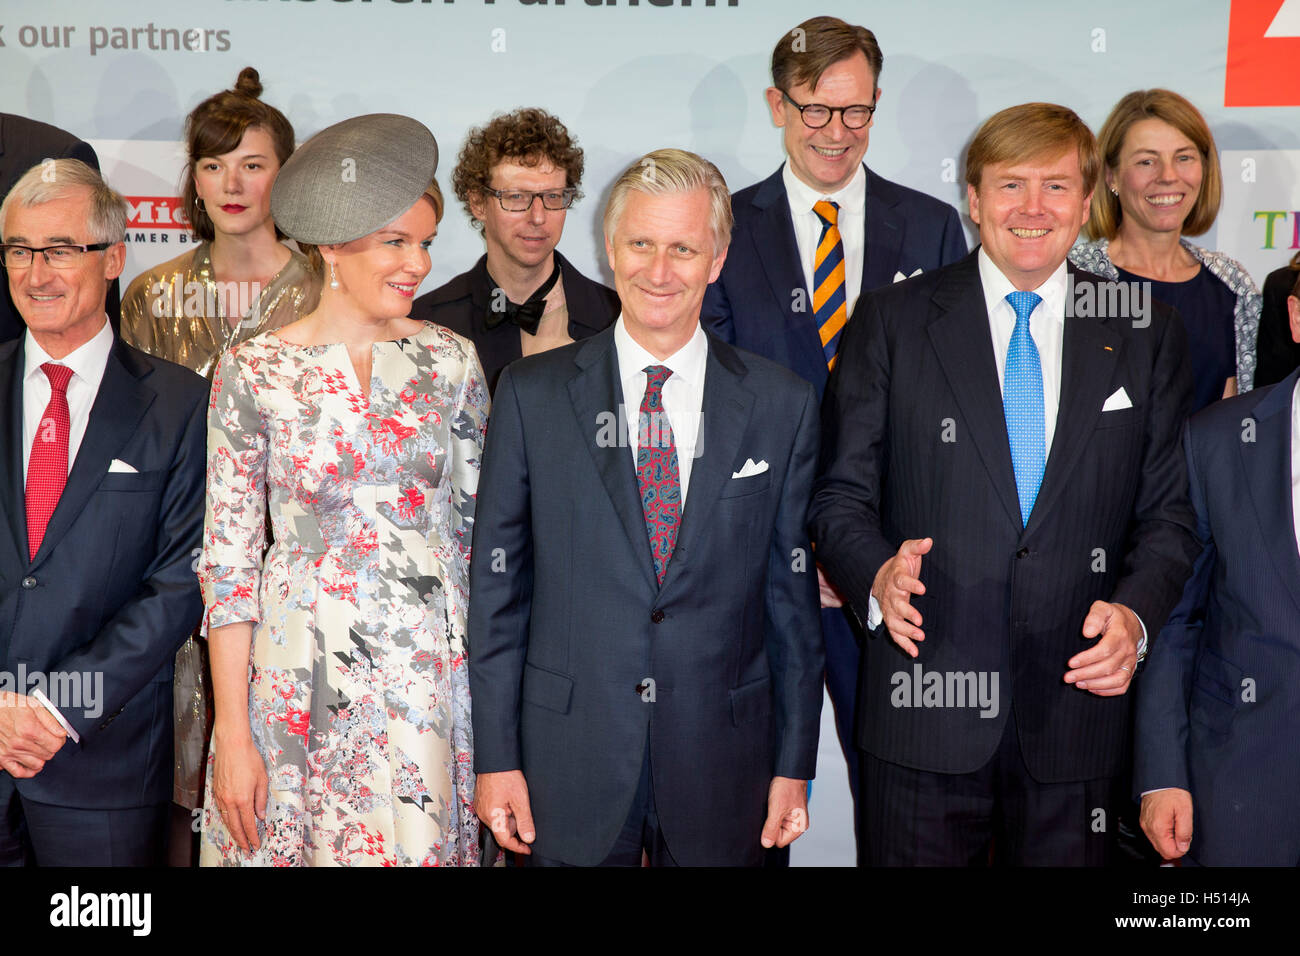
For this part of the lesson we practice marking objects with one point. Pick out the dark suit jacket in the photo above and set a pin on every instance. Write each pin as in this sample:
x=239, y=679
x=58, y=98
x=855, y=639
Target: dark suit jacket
x=567, y=620
x=112, y=590
x=462, y=306
x=752, y=303
x=1220, y=692
x=914, y=445
x=1277, y=354
x=23, y=144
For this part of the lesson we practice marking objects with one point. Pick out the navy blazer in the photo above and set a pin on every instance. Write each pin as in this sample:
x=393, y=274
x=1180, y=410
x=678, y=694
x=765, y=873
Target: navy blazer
x=914, y=445
x=752, y=304
x=1219, y=696
x=578, y=657
x=112, y=592
x=462, y=306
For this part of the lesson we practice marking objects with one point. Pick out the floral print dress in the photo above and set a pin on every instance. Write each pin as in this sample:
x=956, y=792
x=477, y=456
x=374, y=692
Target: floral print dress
x=358, y=692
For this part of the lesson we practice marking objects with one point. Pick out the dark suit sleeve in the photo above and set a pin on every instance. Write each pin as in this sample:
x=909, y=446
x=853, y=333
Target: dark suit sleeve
x=715, y=314
x=146, y=631
x=1165, y=683
x=845, y=517
x=501, y=586
x=1162, y=542
x=793, y=630
x=954, y=239
x=83, y=151
x=1275, y=350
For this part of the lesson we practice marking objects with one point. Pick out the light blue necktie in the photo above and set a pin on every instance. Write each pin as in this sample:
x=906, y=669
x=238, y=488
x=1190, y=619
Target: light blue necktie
x=1022, y=404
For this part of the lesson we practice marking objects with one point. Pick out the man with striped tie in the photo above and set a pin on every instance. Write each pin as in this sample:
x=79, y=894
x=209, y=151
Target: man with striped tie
x=816, y=233
x=1003, y=500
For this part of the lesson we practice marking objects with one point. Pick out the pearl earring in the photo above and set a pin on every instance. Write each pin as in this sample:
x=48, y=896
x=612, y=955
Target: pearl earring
x=334, y=280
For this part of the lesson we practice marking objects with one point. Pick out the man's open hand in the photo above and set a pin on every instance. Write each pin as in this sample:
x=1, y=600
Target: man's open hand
x=896, y=581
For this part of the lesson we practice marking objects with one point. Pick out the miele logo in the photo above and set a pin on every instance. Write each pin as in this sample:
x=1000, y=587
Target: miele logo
x=156, y=212
x=1263, y=48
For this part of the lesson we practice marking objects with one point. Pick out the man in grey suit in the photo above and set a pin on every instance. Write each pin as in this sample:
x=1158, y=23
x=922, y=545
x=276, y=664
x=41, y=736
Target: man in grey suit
x=645, y=657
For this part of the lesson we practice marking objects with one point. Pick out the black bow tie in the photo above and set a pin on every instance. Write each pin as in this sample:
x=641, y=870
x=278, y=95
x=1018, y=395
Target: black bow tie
x=528, y=315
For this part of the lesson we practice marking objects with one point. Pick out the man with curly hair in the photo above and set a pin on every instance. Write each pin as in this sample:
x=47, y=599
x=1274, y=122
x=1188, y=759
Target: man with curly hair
x=517, y=177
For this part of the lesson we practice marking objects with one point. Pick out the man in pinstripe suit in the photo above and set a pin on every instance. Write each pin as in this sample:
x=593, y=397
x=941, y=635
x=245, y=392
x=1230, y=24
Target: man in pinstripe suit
x=1003, y=502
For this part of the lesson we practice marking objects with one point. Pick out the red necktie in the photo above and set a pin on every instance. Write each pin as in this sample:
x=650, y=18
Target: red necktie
x=47, y=469
x=657, y=472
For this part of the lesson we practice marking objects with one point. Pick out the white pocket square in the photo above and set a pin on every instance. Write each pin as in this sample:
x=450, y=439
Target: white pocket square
x=118, y=467
x=1117, y=401
x=899, y=277
x=750, y=469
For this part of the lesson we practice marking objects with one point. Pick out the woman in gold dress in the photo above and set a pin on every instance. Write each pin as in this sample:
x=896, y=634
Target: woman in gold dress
x=239, y=281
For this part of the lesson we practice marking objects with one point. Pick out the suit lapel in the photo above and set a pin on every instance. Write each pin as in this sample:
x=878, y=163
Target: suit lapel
x=883, y=238
x=596, y=392
x=724, y=420
x=777, y=253
x=1267, y=465
x=1089, y=353
x=119, y=406
x=587, y=315
x=960, y=336
x=13, y=499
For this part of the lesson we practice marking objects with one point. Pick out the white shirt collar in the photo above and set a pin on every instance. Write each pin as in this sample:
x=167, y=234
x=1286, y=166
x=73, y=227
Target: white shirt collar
x=87, y=361
x=851, y=197
x=687, y=363
x=997, y=286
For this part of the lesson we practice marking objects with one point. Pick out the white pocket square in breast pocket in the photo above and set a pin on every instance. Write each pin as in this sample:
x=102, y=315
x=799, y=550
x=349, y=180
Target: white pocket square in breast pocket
x=1117, y=401
x=899, y=277
x=118, y=467
x=750, y=469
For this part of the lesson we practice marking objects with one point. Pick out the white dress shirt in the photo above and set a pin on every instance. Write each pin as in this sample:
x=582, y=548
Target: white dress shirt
x=1046, y=325
x=683, y=393
x=87, y=363
x=852, y=223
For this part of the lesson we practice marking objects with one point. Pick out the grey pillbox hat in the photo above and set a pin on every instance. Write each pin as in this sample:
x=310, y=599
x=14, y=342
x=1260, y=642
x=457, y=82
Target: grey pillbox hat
x=353, y=178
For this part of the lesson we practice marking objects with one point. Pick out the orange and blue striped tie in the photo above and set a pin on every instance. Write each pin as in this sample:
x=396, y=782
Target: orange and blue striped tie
x=829, y=304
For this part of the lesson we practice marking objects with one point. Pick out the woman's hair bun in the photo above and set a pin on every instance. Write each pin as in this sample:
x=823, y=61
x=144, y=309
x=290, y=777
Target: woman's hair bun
x=249, y=83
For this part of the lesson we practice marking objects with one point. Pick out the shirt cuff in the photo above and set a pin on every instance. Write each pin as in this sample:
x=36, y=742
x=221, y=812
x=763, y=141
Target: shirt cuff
x=1142, y=644
x=874, y=614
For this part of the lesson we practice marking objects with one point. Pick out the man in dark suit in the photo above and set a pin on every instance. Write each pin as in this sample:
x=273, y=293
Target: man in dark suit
x=1218, y=698
x=101, y=494
x=645, y=661
x=517, y=177
x=1002, y=489
x=24, y=143
x=793, y=275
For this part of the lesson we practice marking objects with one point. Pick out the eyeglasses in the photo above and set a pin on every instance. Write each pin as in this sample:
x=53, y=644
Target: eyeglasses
x=57, y=257
x=815, y=115
x=518, y=200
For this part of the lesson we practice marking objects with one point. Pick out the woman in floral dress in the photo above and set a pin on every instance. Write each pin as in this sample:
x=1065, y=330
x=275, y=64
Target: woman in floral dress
x=342, y=733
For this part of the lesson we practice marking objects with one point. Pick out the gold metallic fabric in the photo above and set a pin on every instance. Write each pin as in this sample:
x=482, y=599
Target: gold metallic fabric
x=175, y=312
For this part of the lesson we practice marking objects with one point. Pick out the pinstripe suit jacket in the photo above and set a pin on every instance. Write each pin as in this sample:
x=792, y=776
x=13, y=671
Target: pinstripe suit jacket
x=915, y=445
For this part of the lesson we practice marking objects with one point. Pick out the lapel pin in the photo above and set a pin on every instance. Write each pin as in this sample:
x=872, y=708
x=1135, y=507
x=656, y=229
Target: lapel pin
x=1108, y=348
